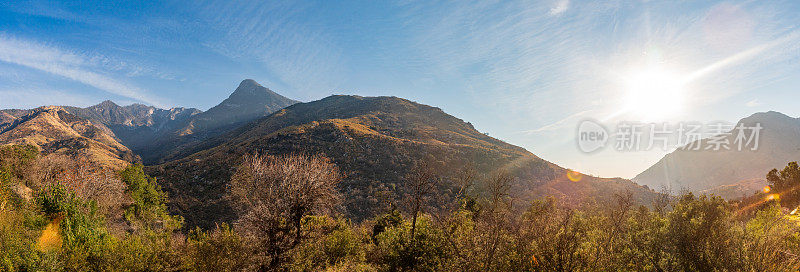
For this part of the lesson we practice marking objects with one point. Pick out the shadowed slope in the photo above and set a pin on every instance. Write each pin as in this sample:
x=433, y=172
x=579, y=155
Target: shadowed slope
x=248, y=102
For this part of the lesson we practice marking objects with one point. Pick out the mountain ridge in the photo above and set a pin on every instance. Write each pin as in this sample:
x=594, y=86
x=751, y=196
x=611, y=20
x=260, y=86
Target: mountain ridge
x=730, y=173
x=375, y=141
x=135, y=125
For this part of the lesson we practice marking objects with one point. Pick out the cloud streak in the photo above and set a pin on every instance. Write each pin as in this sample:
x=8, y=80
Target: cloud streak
x=747, y=55
x=296, y=50
x=559, y=124
x=69, y=65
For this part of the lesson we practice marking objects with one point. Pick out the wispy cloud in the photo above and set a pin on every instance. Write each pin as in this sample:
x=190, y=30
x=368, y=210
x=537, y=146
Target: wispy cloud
x=69, y=65
x=508, y=52
x=560, y=7
x=772, y=47
x=47, y=9
x=296, y=51
x=560, y=123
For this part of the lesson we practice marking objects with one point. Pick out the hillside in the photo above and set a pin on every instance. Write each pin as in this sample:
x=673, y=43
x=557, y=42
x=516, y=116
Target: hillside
x=730, y=173
x=8, y=116
x=54, y=130
x=375, y=141
x=249, y=101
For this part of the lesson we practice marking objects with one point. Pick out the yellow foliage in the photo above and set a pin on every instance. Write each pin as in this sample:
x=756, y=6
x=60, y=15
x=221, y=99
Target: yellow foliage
x=50, y=238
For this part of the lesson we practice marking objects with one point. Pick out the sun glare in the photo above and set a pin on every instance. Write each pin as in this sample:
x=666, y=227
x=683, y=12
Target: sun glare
x=654, y=94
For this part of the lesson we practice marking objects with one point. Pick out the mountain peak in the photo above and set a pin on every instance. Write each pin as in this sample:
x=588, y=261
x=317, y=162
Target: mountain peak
x=730, y=172
x=107, y=104
x=769, y=115
x=250, y=90
x=251, y=93
x=249, y=83
x=770, y=118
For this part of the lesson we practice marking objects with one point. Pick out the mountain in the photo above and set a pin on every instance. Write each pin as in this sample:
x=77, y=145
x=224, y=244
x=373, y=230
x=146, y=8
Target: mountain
x=375, y=141
x=8, y=116
x=154, y=133
x=248, y=102
x=55, y=130
x=730, y=173
x=135, y=125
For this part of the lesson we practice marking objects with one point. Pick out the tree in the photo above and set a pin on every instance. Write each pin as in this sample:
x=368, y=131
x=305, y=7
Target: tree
x=494, y=218
x=421, y=182
x=785, y=183
x=554, y=236
x=273, y=195
x=700, y=235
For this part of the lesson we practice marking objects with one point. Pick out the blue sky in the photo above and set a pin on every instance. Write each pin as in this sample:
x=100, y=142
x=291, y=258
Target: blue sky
x=523, y=71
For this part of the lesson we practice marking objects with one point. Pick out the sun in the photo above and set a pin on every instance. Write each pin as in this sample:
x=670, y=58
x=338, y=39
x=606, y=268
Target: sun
x=654, y=93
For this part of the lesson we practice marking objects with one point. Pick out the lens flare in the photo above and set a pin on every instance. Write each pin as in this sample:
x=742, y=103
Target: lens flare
x=574, y=176
x=767, y=189
x=774, y=197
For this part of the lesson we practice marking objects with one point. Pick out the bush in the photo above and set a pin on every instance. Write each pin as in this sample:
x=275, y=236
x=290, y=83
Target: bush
x=397, y=251
x=149, y=209
x=219, y=250
x=330, y=243
x=84, y=242
x=17, y=246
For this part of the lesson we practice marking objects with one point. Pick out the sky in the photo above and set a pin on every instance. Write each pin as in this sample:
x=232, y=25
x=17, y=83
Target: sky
x=526, y=72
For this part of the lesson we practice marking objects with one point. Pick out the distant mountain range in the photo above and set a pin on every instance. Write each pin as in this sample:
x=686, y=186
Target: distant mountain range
x=154, y=133
x=137, y=125
x=374, y=140
x=729, y=173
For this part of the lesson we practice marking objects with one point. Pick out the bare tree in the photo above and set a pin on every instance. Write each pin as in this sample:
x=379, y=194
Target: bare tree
x=274, y=193
x=421, y=182
x=477, y=245
x=495, y=217
x=465, y=180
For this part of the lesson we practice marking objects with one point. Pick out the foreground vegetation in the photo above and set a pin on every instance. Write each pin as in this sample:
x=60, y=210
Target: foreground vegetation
x=58, y=214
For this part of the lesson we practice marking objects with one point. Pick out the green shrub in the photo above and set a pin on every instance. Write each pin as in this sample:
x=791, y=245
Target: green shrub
x=149, y=209
x=396, y=251
x=332, y=243
x=219, y=250
x=84, y=241
x=18, y=246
